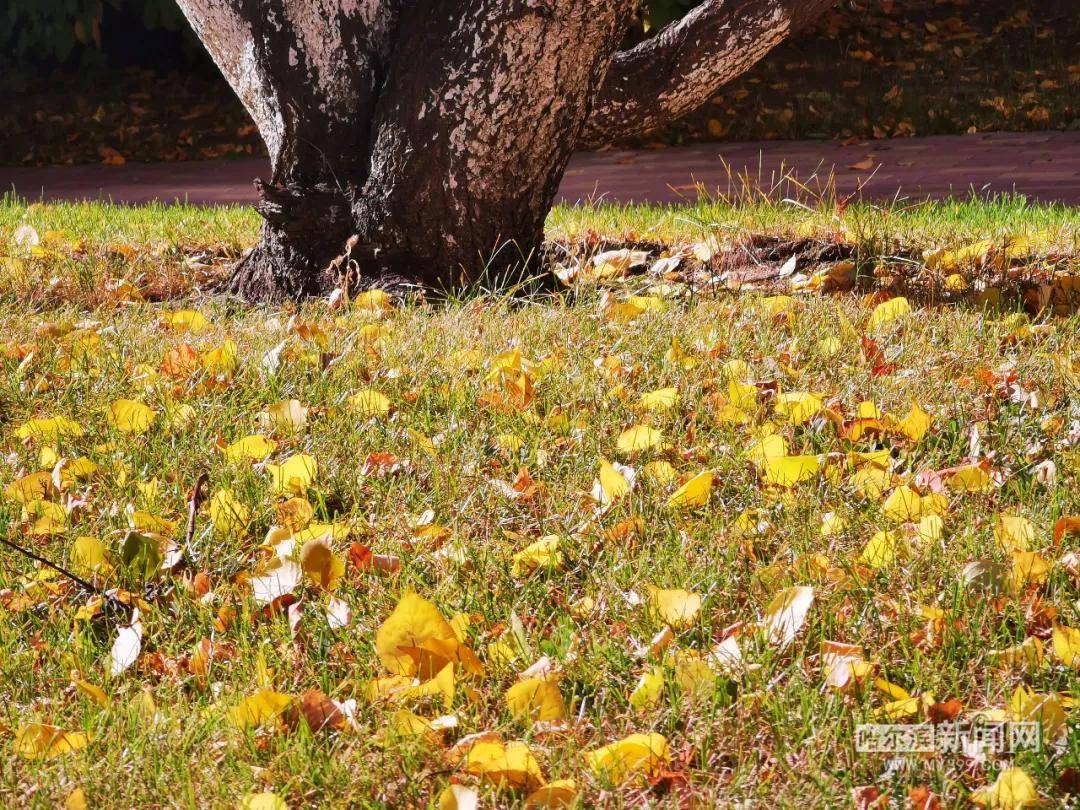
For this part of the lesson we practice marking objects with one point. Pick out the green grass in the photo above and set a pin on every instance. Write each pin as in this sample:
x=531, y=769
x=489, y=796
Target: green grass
x=772, y=733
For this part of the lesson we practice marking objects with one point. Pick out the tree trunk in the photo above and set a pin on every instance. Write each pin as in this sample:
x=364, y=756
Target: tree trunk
x=419, y=141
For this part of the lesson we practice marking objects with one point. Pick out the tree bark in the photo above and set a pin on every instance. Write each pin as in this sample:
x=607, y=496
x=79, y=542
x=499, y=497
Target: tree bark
x=430, y=136
x=683, y=66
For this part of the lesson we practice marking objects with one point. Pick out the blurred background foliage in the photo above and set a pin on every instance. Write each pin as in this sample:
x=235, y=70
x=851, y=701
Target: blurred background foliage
x=36, y=32
x=121, y=32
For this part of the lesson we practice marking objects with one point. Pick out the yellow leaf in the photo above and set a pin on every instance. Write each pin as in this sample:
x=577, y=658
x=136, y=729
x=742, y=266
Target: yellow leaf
x=787, y=471
x=225, y=359
x=903, y=504
x=891, y=689
x=259, y=708
x=78, y=469
x=1027, y=656
x=541, y=554
x=899, y=709
x=182, y=416
x=881, y=550
x=613, y=483
x=660, y=472
x=294, y=514
x=403, y=723
x=1012, y=790
x=637, y=439
x=375, y=300
x=771, y=446
x=916, y=424
x=832, y=524
x=30, y=488
x=369, y=403
x=648, y=690
x=416, y=636
x=962, y=258
x=692, y=674
x=88, y=553
x=559, y=793
x=444, y=685
x=334, y=531
x=76, y=800
x=323, y=567
x=887, y=312
x=1014, y=533
x=871, y=481
x=1046, y=709
x=730, y=415
x=459, y=797
x=637, y=754
x=1067, y=645
x=536, y=699
x=971, y=478
x=830, y=346
x=931, y=528
x=798, y=406
x=294, y=475
x=743, y=396
x=1027, y=568
x=44, y=517
x=52, y=429
x=262, y=801
x=675, y=607
x=41, y=741
x=250, y=448
x=144, y=521
x=623, y=311
x=867, y=410
x=130, y=416
x=736, y=370
x=777, y=304
x=663, y=399
x=227, y=513
x=955, y=282
x=184, y=320
x=694, y=492
x=511, y=764
x=91, y=690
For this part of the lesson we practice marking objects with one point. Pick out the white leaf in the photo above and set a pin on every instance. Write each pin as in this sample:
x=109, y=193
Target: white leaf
x=25, y=237
x=271, y=361
x=126, y=648
x=338, y=613
x=726, y=656
x=276, y=583
x=787, y=612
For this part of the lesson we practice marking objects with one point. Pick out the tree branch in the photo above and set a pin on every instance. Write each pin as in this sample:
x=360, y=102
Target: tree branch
x=683, y=66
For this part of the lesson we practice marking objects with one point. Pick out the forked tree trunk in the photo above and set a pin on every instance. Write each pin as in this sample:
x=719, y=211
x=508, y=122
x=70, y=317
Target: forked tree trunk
x=424, y=140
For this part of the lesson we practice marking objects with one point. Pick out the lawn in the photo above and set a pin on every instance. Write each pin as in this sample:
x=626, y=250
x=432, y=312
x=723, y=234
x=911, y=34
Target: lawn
x=477, y=544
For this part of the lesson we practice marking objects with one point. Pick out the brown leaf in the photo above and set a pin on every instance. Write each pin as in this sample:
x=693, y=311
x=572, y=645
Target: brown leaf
x=360, y=556
x=921, y=798
x=316, y=709
x=947, y=710
x=180, y=361
x=1064, y=526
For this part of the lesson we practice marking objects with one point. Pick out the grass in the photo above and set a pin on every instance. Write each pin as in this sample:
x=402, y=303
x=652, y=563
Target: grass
x=999, y=387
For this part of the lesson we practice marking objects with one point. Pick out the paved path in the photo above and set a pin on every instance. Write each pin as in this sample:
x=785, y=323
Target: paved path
x=1043, y=165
